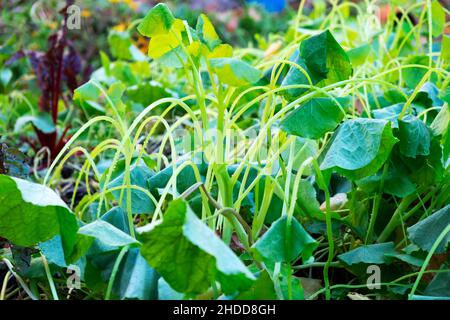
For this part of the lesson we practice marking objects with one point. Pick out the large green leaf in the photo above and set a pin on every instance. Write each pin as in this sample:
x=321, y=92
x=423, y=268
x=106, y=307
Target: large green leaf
x=158, y=21
x=283, y=244
x=315, y=118
x=235, y=72
x=325, y=58
x=425, y=232
x=415, y=137
x=190, y=256
x=369, y=254
x=31, y=213
x=359, y=147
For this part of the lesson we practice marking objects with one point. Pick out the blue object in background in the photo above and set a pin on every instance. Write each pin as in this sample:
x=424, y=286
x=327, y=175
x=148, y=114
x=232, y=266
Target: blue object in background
x=271, y=5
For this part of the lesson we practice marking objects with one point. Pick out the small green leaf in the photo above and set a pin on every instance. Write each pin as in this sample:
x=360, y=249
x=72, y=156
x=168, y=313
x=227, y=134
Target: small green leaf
x=358, y=56
x=206, y=32
x=390, y=113
x=235, y=72
x=107, y=233
x=158, y=21
x=296, y=76
x=120, y=45
x=185, y=178
x=425, y=232
x=369, y=254
x=262, y=289
x=53, y=251
x=43, y=122
x=141, y=203
x=440, y=285
x=303, y=149
x=189, y=255
x=88, y=91
x=315, y=118
x=307, y=200
x=437, y=18
x=412, y=76
x=439, y=126
x=165, y=291
x=414, y=261
x=415, y=137
x=396, y=181
x=428, y=96
x=5, y=76
x=277, y=246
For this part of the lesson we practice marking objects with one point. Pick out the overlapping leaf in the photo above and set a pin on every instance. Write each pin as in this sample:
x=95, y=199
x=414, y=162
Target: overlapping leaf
x=359, y=147
x=189, y=256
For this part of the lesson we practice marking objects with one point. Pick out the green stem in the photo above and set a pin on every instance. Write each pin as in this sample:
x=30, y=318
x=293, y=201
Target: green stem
x=376, y=205
x=395, y=219
x=114, y=272
x=323, y=186
x=50, y=278
x=4, y=285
